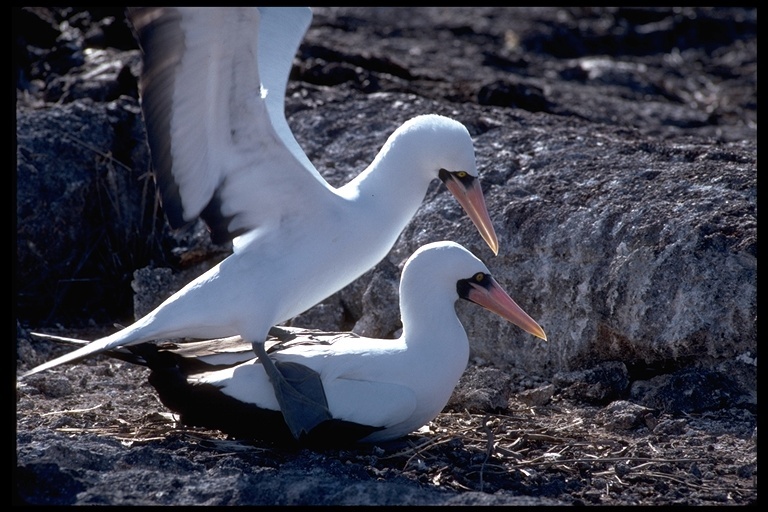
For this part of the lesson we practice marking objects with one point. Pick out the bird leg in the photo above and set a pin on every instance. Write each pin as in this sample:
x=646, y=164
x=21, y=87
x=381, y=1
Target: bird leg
x=299, y=392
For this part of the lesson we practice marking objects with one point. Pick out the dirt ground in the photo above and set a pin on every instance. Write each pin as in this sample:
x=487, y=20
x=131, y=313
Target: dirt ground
x=542, y=446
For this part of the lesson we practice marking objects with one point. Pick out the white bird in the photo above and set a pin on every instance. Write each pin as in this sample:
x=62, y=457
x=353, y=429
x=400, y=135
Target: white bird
x=212, y=94
x=376, y=389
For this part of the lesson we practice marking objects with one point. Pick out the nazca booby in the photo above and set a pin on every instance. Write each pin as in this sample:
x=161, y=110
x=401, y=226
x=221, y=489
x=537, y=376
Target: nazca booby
x=376, y=389
x=212, y=95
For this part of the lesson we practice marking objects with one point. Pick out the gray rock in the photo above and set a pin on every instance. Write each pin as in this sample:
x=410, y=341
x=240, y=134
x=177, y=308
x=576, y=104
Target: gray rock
x=691, y=390
x=537, y=396
x=600, y=384
x=480, y=390
x=623, y=415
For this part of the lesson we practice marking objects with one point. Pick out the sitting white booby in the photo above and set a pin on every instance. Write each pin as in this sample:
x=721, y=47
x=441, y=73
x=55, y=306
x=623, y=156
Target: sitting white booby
x=212, y=94
x=376, y=389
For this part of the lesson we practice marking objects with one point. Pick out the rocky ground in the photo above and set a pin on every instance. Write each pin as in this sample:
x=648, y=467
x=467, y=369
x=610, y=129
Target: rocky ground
x=95, y=433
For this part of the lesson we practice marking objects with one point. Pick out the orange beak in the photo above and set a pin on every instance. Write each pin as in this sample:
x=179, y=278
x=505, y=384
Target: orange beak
x=493, y=297
x=467, y=191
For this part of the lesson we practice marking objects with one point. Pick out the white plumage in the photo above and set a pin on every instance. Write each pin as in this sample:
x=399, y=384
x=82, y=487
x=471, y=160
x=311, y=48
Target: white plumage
x=376, y=389
x=213, y=87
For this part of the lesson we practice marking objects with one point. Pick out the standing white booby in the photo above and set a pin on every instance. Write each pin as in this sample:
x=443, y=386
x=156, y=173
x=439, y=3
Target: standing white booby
x=212, y=94
x=376, y=389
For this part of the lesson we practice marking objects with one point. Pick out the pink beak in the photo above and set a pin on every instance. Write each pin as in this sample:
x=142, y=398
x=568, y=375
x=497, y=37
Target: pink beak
x=471, y=198
x=495, y=299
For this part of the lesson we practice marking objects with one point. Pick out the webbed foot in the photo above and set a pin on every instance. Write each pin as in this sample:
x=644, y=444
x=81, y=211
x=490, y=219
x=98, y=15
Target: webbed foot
x=299, y=392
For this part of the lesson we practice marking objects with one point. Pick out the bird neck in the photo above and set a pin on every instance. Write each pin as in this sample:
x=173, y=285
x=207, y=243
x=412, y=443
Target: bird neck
x=436, y=336
x=396, y=179
x=429, y=318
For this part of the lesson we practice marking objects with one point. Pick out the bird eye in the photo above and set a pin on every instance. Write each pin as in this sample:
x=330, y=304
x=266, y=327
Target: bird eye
x=479, y=277
x=461, y=174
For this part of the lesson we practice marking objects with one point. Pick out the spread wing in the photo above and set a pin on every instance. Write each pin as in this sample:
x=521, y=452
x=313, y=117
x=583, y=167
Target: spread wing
x=212, y=93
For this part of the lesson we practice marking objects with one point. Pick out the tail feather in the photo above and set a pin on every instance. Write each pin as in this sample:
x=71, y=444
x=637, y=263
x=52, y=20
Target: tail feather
x=219, y=352
x=192, y=356
x=88, y=349
x=61, y=339
x=119, y=352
